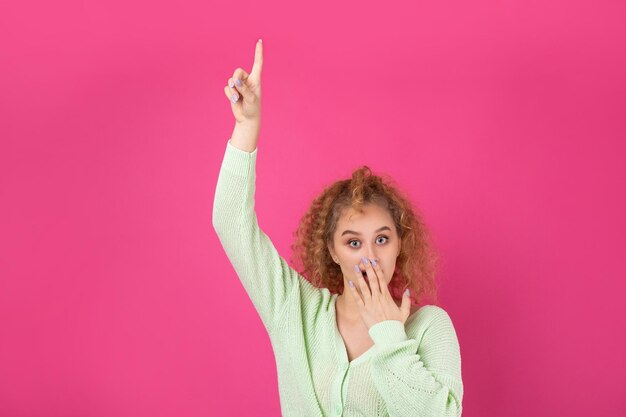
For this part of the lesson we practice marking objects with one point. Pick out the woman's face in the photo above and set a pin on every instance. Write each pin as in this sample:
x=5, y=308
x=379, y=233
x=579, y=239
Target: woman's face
x=371, y=234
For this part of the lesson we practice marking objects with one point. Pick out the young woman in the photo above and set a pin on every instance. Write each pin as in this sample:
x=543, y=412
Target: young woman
x=362, y=351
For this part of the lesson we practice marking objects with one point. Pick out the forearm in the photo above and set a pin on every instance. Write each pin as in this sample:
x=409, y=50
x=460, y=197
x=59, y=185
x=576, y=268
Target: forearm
x=418, y=379
x=246, y=135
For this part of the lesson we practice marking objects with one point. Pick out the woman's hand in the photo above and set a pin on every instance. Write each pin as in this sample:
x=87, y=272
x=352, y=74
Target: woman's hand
x=244, y=90
x=374, y=301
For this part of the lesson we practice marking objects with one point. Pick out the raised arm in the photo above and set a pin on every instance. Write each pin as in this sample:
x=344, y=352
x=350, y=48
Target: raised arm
x=265, y=275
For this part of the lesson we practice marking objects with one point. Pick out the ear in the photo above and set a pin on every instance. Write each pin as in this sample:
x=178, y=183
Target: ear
x=331, y=250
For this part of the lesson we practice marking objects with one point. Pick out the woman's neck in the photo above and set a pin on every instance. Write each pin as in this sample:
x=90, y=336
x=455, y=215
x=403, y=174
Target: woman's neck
x=346, y=306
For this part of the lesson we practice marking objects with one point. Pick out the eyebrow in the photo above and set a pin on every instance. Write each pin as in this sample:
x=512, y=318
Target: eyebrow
x=358, y=234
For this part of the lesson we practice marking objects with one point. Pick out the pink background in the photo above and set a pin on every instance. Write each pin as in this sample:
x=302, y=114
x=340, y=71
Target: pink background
x=505, y=122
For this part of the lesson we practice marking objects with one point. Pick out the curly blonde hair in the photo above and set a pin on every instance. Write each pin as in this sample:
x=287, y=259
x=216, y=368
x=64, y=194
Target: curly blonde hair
x=417, y=262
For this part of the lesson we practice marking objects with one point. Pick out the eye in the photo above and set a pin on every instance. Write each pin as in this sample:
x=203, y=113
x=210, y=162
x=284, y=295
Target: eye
x=384, y=237
x=379, y=237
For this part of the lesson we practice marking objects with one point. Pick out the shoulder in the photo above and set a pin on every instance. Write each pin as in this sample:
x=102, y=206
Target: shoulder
x=426, y=316
x=428, y=310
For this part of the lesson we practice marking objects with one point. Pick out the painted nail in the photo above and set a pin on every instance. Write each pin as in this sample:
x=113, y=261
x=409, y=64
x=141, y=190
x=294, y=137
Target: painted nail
x=231, y=84
x=407, y=292
x=351, y=284
x=357, y=269
x=373, y=262
x=238, y=82
x=235, y=97
x=364, y=259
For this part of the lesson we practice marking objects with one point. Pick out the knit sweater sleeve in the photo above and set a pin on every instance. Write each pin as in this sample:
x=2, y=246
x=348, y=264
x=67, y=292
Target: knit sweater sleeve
x=264, y=274
x=418, y=379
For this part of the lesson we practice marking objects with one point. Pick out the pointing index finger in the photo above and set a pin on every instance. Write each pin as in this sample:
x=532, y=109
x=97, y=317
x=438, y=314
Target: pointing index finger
x=258, y=58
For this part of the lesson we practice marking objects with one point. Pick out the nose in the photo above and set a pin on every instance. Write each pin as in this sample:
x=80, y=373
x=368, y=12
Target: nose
x=370, y=253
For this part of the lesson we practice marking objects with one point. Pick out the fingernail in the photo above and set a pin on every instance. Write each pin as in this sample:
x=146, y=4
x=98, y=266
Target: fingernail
x=231, y=84
x=364, y=259
x=351, y=284
x=407, y=292
x=373, y=262
x=238, y=82
x=235, y=97
x=357, y=269
x=261, y=40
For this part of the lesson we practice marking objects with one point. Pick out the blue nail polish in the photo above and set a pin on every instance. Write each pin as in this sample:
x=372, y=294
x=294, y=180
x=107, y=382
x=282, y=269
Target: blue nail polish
x=238, y=82
x=365, y=261
x=357, y=269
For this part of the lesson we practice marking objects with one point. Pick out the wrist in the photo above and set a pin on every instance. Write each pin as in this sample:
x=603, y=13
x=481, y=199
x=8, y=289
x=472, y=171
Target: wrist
x=387, y=332
x=245, y=135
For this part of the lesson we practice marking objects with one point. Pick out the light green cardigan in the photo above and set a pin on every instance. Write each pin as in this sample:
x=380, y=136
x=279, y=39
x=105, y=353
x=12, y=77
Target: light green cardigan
x=411, y=370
